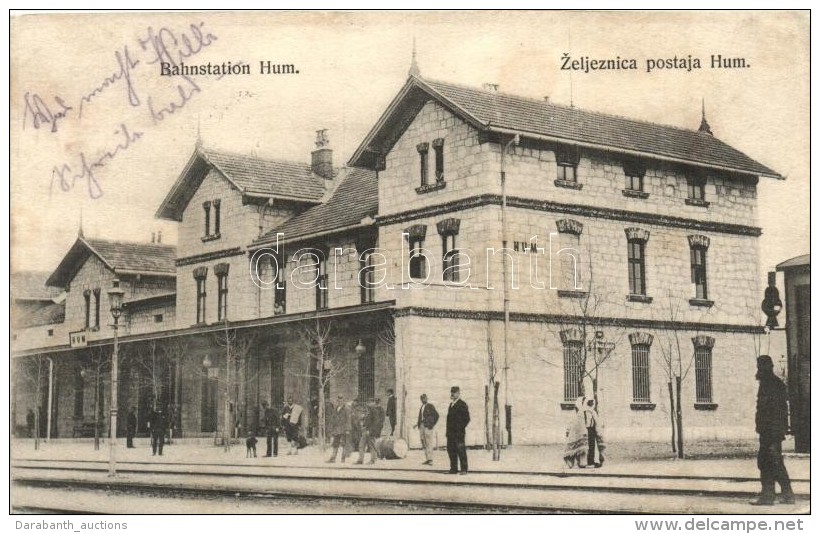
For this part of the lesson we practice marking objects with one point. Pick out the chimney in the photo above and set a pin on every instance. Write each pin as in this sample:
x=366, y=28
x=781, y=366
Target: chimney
x=159, y=236
x=321, y=161
x=491, y=87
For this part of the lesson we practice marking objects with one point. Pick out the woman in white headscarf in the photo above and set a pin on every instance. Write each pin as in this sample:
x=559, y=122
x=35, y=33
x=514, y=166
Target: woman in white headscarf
x=595, y=443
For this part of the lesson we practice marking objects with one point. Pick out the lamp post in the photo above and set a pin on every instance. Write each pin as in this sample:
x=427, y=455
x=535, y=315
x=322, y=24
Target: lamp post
x=115, y=298
x=207, y=363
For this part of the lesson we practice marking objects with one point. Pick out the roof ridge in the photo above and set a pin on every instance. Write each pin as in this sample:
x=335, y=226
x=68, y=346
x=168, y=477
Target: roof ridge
x=126, y=242
x=564, y=106
x=252, y=156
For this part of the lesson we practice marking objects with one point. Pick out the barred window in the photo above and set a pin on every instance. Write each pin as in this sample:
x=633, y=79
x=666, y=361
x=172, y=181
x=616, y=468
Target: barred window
x=573, y=372
x=640, y=373
x=703, y=374
x=367, y=374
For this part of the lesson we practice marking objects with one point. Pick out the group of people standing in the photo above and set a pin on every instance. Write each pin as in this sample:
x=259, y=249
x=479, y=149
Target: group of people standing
x=355, y=424
x=289, y=419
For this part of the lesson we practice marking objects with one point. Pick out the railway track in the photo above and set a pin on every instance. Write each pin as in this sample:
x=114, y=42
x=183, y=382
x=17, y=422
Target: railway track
x=519, y=492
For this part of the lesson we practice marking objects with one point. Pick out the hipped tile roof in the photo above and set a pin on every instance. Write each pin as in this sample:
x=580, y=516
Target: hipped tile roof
x=31, y=285
x=251, y=175
x=120, y=256
x=493, y=111
x=50, y=313
x=355, y=198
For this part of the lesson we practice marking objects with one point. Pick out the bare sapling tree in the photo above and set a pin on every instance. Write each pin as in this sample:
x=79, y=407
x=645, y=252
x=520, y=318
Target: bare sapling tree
x=99, y=362
x=324, y=364
x=677, y=361
x=237, y=347
x=34, y=371
x=582, y=329
x=392, y=339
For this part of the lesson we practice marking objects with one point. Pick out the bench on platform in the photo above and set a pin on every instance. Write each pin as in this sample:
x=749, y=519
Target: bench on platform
x=84, y=429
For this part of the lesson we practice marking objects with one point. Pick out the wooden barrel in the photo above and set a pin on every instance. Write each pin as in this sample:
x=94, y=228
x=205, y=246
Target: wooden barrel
x=391, y=448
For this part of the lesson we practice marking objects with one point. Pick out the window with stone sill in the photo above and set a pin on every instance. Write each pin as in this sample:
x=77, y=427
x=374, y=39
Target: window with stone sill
x=422, y=149
x=567, y=159
x=216, y=206
x=448, y=230
x=206, y=207
x=703, y=346
x=200, y=275
x=280, y=288
x=438, y=148
x=321, y=280
x=696, y=191
x=221, y=272
x=634, y=173
x=641, y=388
x=87, y=299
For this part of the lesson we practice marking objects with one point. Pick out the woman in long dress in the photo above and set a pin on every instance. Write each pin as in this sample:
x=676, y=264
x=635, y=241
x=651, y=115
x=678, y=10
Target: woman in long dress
x=577, y=447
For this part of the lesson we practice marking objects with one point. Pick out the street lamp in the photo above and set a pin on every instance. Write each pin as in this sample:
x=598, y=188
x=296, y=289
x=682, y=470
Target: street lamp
x=115, y=298
x=360, y=348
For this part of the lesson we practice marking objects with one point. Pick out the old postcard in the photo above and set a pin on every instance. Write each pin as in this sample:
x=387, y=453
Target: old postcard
x=410, y=262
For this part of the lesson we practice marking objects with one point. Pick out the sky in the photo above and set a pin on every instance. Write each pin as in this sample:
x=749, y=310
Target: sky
x=71, y=100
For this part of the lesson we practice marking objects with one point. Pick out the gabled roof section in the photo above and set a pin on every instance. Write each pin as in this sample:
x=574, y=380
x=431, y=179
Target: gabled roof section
x=250, y=175
x=355, y=198
x=31, y=285
x=798, y=261
x=499, y=112
x=46, y=314
x=119, y=256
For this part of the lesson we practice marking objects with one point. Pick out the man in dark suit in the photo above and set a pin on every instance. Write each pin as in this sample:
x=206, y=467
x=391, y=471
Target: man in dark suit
x=428, y=417
x=158, y=424
x=130, y=428
x=391, y=410
x=270, y=425
x=339, y=429
x=771, y=421
x=458, y=417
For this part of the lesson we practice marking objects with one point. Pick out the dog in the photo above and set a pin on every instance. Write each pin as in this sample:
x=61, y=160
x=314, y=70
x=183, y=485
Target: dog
x=250, y=447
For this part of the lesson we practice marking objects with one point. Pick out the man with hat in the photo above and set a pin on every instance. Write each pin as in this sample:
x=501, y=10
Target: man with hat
x=270, y=425
x=458, y=417
x=771, y=420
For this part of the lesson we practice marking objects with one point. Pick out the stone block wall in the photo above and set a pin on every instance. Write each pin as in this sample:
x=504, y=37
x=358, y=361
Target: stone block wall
x=440, y=352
